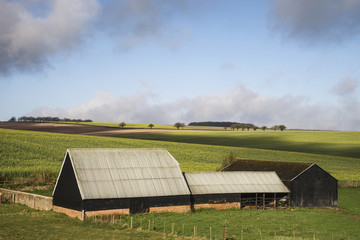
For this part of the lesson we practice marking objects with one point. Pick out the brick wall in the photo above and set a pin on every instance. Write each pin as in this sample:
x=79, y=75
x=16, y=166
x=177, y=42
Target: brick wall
x=218, y=206
x=32, y=200
x=177, y=209
x=70, y=212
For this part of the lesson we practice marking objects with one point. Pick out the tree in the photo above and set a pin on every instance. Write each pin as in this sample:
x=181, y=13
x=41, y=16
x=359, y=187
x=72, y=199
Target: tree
x=151, y=125
x=255, y=128
x=178, y=125
x=225, y=127
x=233, y=126
x=13, y=119
x=182, y=125
x=276, y=127
x=263, y=128
x=227, y=160
x=248, y=127
x=282, y=127
x=122, y=124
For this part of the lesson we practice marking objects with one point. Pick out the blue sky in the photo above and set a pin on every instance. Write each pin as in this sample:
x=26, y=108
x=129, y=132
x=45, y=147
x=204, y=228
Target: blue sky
x=270, y=62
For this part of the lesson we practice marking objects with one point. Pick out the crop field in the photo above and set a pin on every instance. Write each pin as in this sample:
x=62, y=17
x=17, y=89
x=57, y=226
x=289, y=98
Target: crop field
x=144, y=126
x=334, y=143
x=24, y=153
x=29, y=154
x=128, y=125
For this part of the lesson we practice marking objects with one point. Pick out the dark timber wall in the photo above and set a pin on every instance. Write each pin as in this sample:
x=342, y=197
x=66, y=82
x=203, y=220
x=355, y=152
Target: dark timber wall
x=313, y=188
x=309, y=184
x=136, y=205
x=67, y=193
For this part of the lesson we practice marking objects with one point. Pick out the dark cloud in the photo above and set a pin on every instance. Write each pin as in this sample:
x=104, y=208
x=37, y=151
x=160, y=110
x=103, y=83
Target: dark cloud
x=239, y=104
x=33, y=31
x=316, y=22
x=138, y=22
x=345, y=87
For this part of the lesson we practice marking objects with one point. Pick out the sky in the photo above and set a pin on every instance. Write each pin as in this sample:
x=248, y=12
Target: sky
x=271, y=62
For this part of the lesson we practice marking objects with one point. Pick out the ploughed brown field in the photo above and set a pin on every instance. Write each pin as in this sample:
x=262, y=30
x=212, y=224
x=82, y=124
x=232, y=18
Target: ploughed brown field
x=76, y=129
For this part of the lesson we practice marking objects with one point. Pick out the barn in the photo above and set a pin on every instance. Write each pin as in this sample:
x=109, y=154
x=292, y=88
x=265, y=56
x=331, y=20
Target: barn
x=107, y=181
x=221, y=190
x=309, y=184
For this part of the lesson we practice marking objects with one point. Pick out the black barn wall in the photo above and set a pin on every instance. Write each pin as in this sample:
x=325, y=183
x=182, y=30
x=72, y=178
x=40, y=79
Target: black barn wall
x=314, y=188
x=243, y=198
x=136, y=205
x=67, y=193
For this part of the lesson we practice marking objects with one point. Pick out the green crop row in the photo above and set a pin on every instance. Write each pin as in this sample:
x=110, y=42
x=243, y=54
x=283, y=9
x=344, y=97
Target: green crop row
x=335, y=143
x=25, y=152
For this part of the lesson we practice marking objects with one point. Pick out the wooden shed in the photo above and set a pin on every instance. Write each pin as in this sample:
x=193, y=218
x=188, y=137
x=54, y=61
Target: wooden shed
x=221, y=190
x=309, y=184
x=96, y=181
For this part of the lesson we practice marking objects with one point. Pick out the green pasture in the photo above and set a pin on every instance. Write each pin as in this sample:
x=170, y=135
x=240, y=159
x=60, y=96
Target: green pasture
x=144, y=126
x=20, y=222
x=335, y=143
x=24, y=153
x=127, y=126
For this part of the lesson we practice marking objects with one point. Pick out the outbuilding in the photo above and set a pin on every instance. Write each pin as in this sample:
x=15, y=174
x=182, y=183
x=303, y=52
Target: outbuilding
x=221, y=190
x=96, y=181
x=309, y=184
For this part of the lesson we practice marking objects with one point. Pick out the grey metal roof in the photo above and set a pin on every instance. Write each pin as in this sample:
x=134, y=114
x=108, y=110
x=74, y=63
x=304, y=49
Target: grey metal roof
x=127, y=173
x=234, y=182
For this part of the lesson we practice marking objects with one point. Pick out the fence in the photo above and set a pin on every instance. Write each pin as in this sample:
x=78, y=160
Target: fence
x=32, y=200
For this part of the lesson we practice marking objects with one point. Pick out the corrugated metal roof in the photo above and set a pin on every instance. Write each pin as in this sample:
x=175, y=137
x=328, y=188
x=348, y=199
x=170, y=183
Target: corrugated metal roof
x=127, y=173
x=285, y=170
x=234, y=182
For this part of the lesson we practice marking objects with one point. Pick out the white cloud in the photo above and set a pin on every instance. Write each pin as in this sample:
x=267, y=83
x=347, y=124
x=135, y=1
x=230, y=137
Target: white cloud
x=28, y=38
x=228, y=65
x=239, y=104
x=316, y=22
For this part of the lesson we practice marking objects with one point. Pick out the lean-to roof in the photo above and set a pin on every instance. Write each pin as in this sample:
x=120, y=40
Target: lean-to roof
x=234, y=182
x=285, y=170
x=127, y=173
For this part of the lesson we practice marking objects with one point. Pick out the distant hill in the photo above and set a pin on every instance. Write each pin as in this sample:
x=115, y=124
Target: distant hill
x=216, y=124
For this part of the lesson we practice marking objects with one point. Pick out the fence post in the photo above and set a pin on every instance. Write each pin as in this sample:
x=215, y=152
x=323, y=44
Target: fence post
x=256, y=200
x=183, y=231
x=83, y=215
x=263, y=201
x=224, y=237
x=275, y=200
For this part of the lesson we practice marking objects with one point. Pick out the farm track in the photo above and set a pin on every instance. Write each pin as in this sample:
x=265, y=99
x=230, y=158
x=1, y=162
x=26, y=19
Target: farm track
x=76, y=129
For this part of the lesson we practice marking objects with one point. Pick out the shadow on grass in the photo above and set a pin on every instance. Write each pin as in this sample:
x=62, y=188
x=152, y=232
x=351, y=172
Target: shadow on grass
x=258, y=142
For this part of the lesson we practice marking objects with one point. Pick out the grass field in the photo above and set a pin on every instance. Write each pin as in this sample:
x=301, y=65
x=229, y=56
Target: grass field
x=144, y=126
x=20, y=222
x=24, y=153
x=334, y=143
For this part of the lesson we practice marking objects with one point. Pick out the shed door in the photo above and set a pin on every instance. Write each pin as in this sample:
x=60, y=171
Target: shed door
x=139, y=205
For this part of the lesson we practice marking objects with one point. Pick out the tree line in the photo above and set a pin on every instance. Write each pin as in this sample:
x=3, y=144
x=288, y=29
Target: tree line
x=45, y=119
x=244, y=126
x=216, y=124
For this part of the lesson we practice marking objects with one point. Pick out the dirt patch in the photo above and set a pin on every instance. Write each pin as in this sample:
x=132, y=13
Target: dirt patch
x=77, y=129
